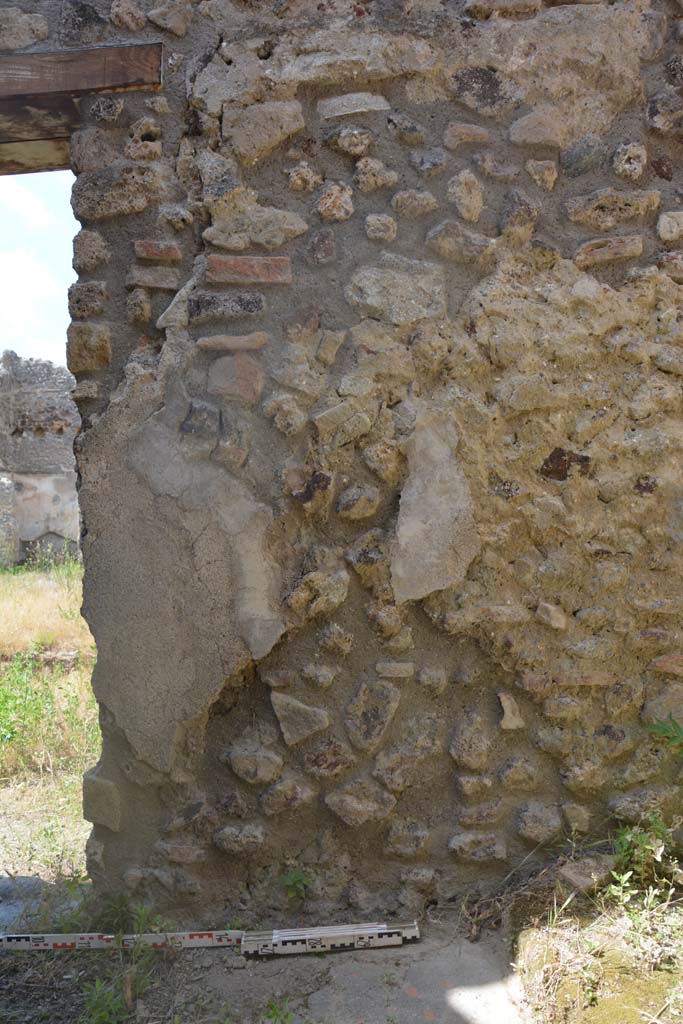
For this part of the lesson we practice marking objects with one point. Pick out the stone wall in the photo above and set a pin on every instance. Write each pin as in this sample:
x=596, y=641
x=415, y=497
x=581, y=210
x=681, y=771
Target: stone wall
x=378, y=348
x=38, y=423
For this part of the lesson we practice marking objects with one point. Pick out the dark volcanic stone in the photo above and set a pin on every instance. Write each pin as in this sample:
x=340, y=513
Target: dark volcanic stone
x=203, y=306
x=560, y=461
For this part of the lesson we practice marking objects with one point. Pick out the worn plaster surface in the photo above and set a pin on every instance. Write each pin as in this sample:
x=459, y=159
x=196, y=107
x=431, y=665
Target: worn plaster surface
x=378, y=355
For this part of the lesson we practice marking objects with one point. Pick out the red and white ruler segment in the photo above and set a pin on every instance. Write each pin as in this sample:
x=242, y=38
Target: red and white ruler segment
x=332, y=938
x=98, y=940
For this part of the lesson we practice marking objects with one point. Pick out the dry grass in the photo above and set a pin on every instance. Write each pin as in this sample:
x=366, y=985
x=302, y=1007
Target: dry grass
x=42, y=607
x=42, y=831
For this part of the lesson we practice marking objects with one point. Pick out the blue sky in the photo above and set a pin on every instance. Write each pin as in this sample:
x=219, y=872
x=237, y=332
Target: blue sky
x=36, y=234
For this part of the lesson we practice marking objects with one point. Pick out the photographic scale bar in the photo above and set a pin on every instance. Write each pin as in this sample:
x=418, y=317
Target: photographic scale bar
x=374, y=935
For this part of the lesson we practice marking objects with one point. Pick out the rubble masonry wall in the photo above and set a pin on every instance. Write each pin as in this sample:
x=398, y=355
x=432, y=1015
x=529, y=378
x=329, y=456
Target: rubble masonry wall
x=378, y=349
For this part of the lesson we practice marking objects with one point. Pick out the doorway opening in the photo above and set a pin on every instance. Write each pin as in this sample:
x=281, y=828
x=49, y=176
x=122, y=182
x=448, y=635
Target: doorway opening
x=49, y=731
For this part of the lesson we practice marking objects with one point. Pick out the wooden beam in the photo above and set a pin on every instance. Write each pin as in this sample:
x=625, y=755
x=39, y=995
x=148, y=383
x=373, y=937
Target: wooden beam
x=79, y=72
x=37, y=155
x=50, y=117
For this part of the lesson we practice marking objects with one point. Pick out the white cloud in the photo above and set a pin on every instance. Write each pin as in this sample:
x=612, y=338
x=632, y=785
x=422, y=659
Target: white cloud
x=34, y=309
x=19, y=202
x=35, y=264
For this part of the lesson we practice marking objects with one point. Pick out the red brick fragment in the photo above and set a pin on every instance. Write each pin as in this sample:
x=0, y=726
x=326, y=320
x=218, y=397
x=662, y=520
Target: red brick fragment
x=249, y=269
x=671, y=664
x=238, y=376
x=150, y=251
x=163, y=279
x=234, y=343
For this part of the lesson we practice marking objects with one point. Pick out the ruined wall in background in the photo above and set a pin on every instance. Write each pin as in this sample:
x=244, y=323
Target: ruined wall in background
x=38, y=424
x=378, y=347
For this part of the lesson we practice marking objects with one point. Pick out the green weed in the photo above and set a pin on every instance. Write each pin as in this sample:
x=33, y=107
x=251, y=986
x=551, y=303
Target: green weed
x=278, y=1013
x=670, y=731
x=46, y=559
x=295, y=884
x=103, y=1004
x=644, y=851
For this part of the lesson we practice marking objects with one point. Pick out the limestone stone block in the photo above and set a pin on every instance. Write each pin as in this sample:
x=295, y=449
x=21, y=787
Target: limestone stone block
x=395, y=669
x=88, y=347
x=371, y=175
x=19, y=30
x=399, y=290
x=672, y=264
x=351, y=140
x=322, y=248
x=379, y=227
x=254, y=763
x=400, y=765
x=605, y=208
x=358, y=503
x=360, y=801
x=670, y=226
x=472, y=742
x=429, y=162
x=512, y=717
x=102, y=800
x=667, y=704
x=539, y=822
x=139, y=306
x=664, y=113
x=289, y=793
x=319, y=593
x=543, y=173
x=336, y=640
x=87, y=299
x=433, y=680
x=630, y=160
x=466, y=192
x=303, y=177
x=588, y=873
x=173, y=16
x=242, y=839
x=336, y=202
x=460, y=133
x=255, y=131
x=638, y=804
x=369, y=713
x=297, y=720
x=477, y=847
x=436, y=537
x=239, y=221
x=406, y=839
x=90, y=251
x=608, y=250
x=329, y=758
x=405, y=130
x=451, y=241
x=351, y=103
x=115, y=192
x=127, y=15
